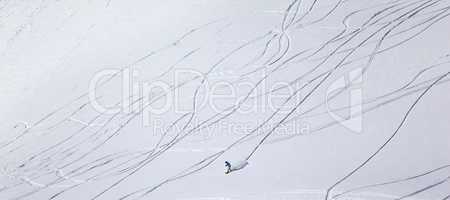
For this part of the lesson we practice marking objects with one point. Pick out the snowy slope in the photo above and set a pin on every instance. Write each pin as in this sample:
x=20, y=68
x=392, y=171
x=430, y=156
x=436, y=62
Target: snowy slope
x=147, y=99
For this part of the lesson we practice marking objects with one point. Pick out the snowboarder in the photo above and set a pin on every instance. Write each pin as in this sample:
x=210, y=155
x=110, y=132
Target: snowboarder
x=237, y=166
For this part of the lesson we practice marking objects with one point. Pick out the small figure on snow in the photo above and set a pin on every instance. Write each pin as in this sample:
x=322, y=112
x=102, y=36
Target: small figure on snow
x=236, y=166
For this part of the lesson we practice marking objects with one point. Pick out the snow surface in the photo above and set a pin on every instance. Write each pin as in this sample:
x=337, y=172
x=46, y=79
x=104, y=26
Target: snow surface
x=218, y=80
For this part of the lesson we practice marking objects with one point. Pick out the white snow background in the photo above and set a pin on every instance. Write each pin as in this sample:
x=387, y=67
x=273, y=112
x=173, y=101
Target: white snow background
x=52, y=50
